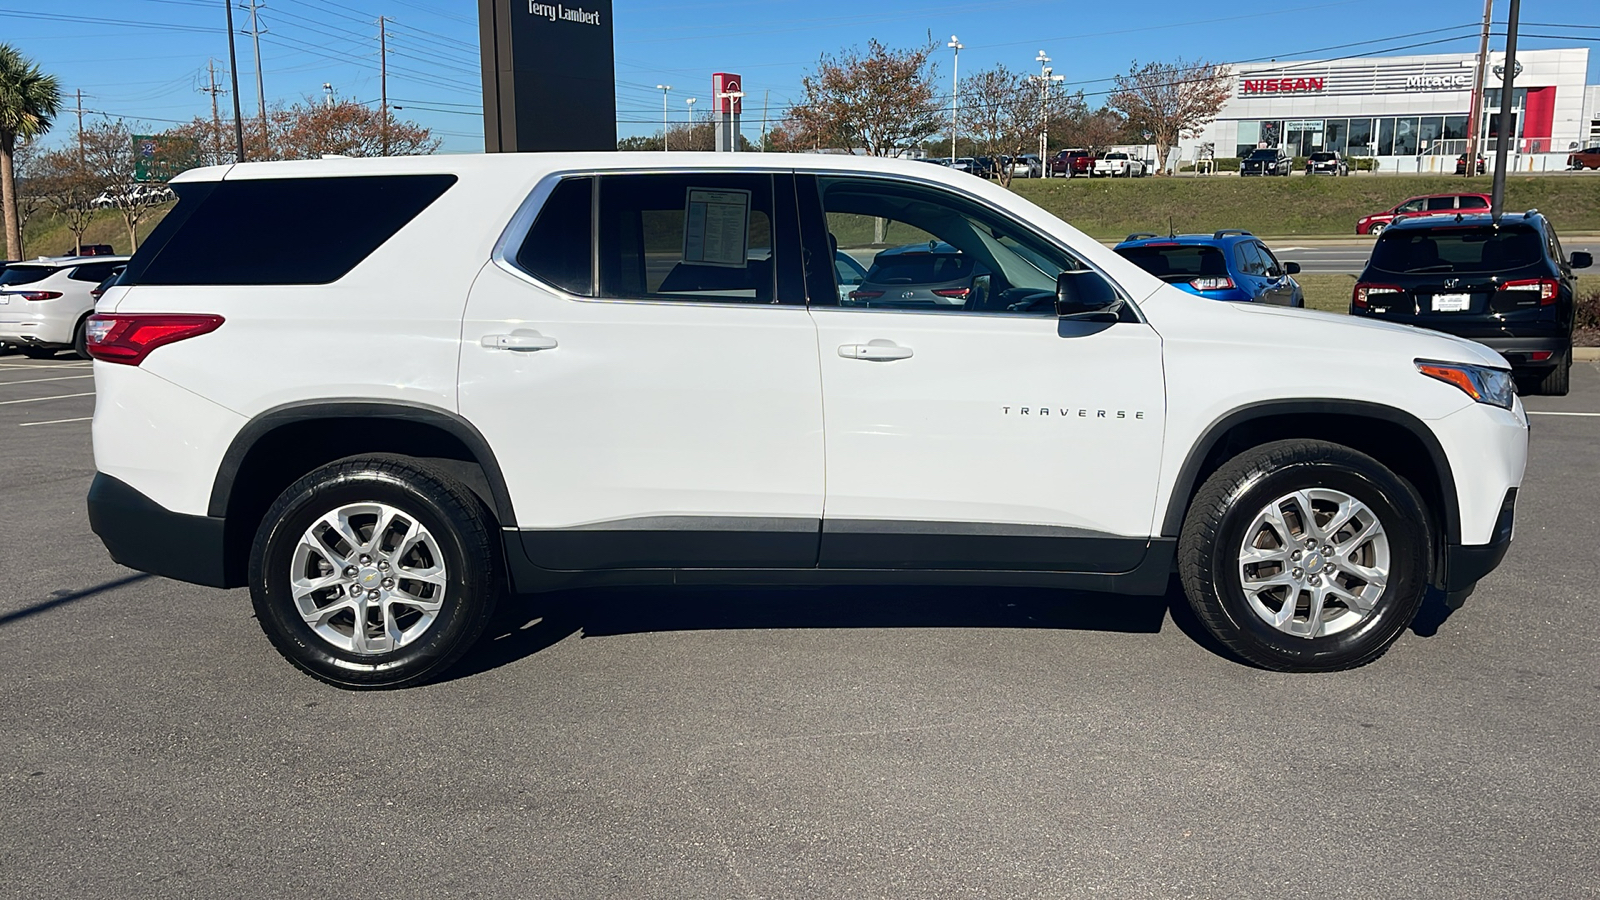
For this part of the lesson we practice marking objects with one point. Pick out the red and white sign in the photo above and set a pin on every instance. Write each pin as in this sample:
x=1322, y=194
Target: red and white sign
x=1282, y=85
x=724, y=83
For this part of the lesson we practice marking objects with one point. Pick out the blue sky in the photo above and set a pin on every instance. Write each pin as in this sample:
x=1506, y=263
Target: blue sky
x=145, y=60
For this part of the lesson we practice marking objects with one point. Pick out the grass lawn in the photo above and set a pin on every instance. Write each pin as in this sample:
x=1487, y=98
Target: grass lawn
x=1108, y=208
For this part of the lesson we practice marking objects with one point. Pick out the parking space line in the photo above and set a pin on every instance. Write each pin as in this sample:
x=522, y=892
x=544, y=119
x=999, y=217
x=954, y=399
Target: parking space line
x=42, y=380
x=41, y=366
x=40, y=399
x=1540, y=412
x=55, y=421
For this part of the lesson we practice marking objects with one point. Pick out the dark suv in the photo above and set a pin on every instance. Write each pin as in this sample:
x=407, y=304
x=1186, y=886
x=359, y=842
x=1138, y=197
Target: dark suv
x=1266, y=161
x=1506, y=285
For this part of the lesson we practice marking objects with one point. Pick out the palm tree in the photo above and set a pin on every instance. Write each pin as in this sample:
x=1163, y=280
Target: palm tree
x=29, y=99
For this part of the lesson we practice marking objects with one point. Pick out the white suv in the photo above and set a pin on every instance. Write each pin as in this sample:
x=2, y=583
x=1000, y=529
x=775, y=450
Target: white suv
x=44, y=301
x=422, y=384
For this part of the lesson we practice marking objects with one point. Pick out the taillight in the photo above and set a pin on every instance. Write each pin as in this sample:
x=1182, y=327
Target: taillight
x=865, y=295
x=128, y=338
x=37, y=295
x=1548, y=288
x=1365, y=293
x=1211, y=284
x=953, y=292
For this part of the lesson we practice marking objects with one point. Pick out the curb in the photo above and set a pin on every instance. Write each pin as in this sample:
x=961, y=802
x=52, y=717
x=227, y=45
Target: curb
x=1586, y=354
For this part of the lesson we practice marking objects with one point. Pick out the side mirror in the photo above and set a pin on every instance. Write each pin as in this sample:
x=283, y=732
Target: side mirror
x=1086, y=295
x=1581, y=259
x=1293, y=268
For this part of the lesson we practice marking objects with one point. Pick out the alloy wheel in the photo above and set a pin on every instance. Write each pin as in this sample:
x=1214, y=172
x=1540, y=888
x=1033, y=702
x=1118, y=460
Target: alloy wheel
x=1314, y=563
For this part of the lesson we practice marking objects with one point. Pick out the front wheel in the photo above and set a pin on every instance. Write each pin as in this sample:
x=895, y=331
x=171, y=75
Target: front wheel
x=376, y=572
x=1305, y=556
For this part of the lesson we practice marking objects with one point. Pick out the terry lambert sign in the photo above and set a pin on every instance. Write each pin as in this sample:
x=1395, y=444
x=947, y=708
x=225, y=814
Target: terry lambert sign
x=555, y=12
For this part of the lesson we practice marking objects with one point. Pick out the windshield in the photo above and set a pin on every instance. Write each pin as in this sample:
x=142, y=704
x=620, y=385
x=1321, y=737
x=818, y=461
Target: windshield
x=1180, y=262
x=1322, y=157
x=25, y=274
x=1264, y=154
x=1465, y=249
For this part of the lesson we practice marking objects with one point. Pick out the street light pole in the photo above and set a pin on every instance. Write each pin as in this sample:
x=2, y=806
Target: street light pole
x=1507, y=79
x=1044, y=107
x=955, y=92
x=663, y=88
x=689, y=101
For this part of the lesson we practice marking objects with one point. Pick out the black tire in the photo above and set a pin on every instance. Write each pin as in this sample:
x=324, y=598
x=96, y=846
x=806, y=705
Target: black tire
x=1225, y=508
x=1557, y=381
x=464, y=536
x=80, y=339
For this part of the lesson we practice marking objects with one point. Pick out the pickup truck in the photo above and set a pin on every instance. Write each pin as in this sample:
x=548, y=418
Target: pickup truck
x=1071, y=164
x=1118, y=165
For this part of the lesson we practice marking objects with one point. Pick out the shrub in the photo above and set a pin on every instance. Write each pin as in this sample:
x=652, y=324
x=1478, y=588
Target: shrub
x=1587, y=314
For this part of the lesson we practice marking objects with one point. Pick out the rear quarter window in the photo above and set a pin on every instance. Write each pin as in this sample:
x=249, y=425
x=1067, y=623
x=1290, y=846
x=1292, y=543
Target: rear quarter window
x=279, y=230
x=25, y=274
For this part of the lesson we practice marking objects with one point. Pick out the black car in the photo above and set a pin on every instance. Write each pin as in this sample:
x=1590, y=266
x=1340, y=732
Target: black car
x=1506, y=285
x=1266, y=162
x=1327, y=162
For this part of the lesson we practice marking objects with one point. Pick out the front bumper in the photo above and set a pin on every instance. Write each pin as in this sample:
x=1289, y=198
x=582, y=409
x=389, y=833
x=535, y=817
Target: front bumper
x=1466, y=563
x=141, y=534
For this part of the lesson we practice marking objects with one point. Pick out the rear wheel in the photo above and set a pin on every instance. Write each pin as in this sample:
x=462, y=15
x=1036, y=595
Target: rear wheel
x=1305, y=556
x=80, y=339
x=1556, y=382
x=374, y=572
x=1376, y=229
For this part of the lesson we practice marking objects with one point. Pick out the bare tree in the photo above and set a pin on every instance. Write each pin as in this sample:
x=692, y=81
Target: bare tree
x=881, y=102
x=66, y=187
x=108, y=156
x=1171, y=100
x=1003, y=114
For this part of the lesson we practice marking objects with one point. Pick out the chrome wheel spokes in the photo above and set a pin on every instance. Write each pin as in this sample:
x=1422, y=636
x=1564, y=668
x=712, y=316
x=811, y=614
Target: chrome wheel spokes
x=1314, y=562
x=368, y=578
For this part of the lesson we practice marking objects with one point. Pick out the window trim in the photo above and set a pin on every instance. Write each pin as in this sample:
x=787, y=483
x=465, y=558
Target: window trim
x=504, y=253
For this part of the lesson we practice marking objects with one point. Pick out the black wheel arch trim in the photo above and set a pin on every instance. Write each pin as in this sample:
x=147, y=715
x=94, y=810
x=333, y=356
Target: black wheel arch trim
x=1183, y=488
x=290, y=413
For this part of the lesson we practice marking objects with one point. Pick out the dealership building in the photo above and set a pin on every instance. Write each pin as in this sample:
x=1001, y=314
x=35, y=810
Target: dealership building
x=1409, y=112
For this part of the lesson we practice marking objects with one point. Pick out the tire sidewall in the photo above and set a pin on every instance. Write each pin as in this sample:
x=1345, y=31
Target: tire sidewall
x=274, y=602
x=1404, y=525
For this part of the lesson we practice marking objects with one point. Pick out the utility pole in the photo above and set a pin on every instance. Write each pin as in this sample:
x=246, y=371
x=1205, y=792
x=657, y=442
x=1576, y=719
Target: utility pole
x=216, y=116
x=383, y=82
x=955, y=92
x=261, y=92
x=80, y=127
x=1506, y=132
x=663, y=88
x=232, y=72
x=1479, y=75
x=766, y=98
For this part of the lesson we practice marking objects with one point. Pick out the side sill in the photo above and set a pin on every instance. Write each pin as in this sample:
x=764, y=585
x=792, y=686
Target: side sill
x=142, y=534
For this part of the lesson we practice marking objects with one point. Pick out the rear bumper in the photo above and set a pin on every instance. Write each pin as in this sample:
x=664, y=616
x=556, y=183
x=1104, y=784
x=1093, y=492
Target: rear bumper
x=141, y=534
x=1466, y=563
x=1519, y=350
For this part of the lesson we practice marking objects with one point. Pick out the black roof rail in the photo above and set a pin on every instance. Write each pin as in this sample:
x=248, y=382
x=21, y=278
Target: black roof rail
x=1222, y=233
x=1141, y=235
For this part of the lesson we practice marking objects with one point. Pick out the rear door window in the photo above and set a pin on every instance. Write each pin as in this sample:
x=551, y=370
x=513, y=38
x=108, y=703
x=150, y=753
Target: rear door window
x=558, y=248
x=94, y=273
x=1438, y=203
x=1458, y=250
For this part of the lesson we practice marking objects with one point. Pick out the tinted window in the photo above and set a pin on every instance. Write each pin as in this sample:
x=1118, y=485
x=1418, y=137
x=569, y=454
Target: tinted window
x=25, y=274
x=94, y=272
x=281, y=230
x=557, y=248
x=1180, y=263
x=1250, y=262
x=1474, y=203
x=1271, y=262
x=687, y=237
x=1438, y=203
x=1467, y=249
x=936, y=251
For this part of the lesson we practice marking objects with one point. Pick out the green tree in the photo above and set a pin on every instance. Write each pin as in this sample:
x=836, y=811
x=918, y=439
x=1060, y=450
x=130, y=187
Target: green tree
x=29, y=99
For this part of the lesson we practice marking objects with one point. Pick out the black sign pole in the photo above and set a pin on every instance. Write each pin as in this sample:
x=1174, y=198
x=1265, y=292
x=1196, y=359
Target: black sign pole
x=1507, y=132
x=549, y=75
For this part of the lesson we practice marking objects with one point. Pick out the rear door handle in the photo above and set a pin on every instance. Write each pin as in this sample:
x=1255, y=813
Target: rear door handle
x=879, y=350
x=521, y=339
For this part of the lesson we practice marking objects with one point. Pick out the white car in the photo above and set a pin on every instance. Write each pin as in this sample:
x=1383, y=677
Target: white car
x=44, y=301
x=1118, y=165
x=621, y=368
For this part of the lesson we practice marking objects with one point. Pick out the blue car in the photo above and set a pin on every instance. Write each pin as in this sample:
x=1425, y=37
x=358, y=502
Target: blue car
x=1227, y=265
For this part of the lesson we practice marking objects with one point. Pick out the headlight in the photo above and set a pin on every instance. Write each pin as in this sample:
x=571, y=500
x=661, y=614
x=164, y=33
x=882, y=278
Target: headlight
x=1481, y=383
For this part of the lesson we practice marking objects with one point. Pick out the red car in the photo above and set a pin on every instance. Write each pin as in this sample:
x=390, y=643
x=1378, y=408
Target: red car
x=1427, y=205
x=1588, y=158
x=1071, y=163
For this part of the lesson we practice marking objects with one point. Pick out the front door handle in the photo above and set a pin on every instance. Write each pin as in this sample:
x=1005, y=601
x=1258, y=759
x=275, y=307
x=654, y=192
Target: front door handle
x=879, y=350
x=521, y=339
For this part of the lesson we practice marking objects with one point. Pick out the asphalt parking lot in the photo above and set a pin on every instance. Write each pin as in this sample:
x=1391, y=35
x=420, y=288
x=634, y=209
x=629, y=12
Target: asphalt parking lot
x=847, y=743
